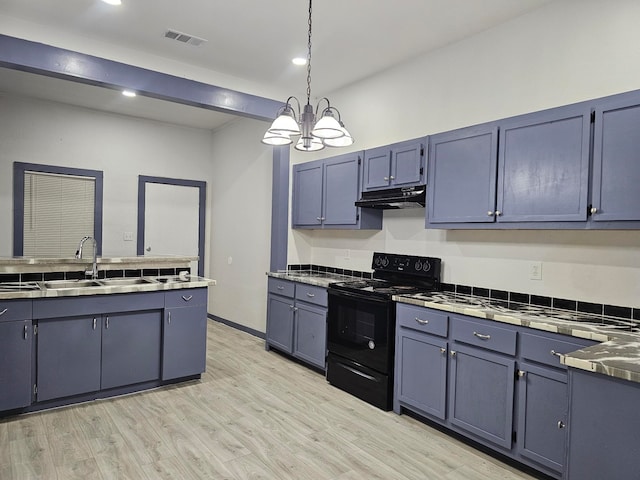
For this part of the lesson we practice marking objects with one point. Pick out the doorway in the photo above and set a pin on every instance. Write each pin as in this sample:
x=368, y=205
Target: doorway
x=171, y=218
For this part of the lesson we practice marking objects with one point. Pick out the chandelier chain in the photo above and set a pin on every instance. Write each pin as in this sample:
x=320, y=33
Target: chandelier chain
x=309, y=58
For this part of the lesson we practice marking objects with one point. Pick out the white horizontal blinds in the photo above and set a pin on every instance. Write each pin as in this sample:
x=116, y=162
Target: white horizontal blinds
x=58, y=212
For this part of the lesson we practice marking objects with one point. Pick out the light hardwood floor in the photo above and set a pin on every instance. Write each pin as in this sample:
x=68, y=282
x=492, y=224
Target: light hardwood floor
x=253, y=415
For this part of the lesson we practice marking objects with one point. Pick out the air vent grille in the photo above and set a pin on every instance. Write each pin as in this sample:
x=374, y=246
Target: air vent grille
x=184, y=38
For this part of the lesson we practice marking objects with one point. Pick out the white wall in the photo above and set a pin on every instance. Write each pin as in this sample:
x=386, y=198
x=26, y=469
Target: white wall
x=568, y=51
x=49, y=133
x=241, y=223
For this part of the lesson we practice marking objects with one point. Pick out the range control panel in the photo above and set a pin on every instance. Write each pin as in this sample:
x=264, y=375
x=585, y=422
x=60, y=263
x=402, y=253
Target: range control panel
x=408, y=264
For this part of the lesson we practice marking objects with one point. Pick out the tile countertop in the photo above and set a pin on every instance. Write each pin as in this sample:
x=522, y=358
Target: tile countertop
x=150, y=284
x=319, y=279
x=618, y=354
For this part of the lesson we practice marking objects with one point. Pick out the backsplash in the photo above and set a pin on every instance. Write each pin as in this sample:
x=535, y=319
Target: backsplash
x=503, y=295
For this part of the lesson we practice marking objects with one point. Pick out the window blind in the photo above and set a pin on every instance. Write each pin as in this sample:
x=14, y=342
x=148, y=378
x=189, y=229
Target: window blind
x=58, y=212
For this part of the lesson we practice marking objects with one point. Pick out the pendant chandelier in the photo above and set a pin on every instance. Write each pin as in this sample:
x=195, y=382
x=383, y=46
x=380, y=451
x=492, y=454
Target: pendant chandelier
x=327, y=131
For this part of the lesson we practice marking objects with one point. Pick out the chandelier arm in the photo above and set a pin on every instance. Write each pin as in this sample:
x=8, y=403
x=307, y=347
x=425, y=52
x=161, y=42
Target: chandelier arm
x=328, y=107
x=289, y=105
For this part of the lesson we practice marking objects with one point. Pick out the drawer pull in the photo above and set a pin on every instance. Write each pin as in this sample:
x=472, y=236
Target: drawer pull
x=4, y=311
x=443, y=350
x=453, y=353
x=421, y=322
x=107, y=323
x=482, y=336
x=311, y=295
x=521, y=373
x=94, y=323
x=26, y=330
x=561, y=424
x=557, y=354
x=280, y=287
x=186, y=298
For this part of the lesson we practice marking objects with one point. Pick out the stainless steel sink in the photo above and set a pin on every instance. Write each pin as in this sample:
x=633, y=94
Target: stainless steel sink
x=67, y=284
x=120, y=282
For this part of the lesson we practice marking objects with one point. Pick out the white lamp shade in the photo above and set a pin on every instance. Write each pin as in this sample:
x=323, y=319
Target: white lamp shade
x=343, y=141
x=327, y=127
x=276, y=139
x=285, y=124
x=313, y=144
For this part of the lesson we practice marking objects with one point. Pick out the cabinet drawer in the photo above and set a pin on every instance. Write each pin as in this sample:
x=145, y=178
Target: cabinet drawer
x=281, y=287
x=311, y=294
x=547, y=350
x=15, y=310
x=423, y=320
x=482, y=335
x=186, y=297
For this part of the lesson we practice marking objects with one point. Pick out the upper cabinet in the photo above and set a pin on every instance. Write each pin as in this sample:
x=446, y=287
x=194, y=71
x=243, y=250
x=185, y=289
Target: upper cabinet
x=616, y=160
x=529, y=171
x=397, y=165
x=325, y=192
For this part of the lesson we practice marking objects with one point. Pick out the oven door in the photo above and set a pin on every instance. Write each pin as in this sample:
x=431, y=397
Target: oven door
x=361, y=328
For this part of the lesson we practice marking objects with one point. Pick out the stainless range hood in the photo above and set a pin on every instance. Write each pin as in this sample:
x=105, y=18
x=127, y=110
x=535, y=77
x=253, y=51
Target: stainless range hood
x=403, y=197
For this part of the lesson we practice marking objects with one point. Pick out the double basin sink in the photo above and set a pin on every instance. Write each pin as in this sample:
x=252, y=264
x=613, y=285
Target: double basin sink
x=73, y=284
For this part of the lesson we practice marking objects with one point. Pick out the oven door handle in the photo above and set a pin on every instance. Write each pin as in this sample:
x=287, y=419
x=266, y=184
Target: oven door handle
x=357, y=296
x=353, y=370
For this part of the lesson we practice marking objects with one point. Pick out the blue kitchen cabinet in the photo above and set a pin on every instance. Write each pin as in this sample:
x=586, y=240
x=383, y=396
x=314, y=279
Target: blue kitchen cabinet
x=325, y=192
x=397, y=165
x=184, y=349
x=297, y=320
x=543, y=401
x=616, y=160
x=462, y=175
x=15, y=363
x=131, y=344
x=603, y=428
x=69, y=356
x=543, y=166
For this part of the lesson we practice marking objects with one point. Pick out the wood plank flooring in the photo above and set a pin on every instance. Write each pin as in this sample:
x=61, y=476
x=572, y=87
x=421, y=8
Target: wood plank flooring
x=253, y=415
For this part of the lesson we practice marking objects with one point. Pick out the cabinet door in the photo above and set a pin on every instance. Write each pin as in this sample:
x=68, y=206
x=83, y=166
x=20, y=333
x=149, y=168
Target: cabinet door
x=310, y=334
x=15, y=362
x=280, y=323
x=616, y=162
x=421, y=373
x=462, y=175
x=543, y=161
x=68, y=357
x=377, y=168
x=543, y=399
x=481, y=394
x=130, y=348
x=307, y=194
x=341, y=190
x=184, y=350
x=407, y=163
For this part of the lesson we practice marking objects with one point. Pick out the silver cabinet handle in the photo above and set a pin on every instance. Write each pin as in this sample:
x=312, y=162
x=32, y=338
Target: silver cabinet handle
x=521, y=373
x=280, y=288
x=453, y=353
x=498, y=213
x=392, y=177
x=4, y=311
x=490, y=213
x=186, y=298
x=311, y=295
x=561, y=424
x=106, y=324
x=169, y=318
x=421, y=322
x=291, y=307
x=295, y=309
x=320, y=219
x=26, y=331
x=94, y=323
x=386, y=179
x=482, y=336
x=442, y=350
x=593, y=210
x=557, y=354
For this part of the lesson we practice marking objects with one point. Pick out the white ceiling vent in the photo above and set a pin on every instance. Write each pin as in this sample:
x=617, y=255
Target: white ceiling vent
x=184, y=38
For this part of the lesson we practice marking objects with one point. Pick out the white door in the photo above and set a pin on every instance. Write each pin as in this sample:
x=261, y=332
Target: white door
x=171, y=220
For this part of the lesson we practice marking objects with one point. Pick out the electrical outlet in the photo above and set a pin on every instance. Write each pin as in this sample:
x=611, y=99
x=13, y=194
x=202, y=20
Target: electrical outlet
x=128, y=236
x=535, y=270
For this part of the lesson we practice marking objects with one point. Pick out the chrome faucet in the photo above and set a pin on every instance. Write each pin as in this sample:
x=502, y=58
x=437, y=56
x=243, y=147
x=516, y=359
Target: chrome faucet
x=94, y=269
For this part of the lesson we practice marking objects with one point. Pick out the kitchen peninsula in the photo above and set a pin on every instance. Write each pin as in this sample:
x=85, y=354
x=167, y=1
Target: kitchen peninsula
x=139, y=323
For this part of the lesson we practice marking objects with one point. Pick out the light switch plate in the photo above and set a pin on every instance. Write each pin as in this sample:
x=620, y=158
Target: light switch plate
x=535, y=270
x=128, y=236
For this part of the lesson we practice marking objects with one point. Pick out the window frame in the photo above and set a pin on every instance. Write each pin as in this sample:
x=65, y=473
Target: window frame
x=19, y=169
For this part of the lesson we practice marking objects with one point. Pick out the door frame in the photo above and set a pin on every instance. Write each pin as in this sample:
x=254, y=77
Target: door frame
x=202, y=196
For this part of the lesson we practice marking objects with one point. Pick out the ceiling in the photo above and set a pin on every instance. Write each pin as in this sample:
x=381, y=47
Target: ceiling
x=253, y=41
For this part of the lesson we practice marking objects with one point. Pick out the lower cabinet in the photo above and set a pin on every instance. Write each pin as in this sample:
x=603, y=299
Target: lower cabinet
x=297, y=320
x=15, y=360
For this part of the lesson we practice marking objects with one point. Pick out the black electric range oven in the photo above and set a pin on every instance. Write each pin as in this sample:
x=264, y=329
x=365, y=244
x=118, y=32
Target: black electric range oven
x=361, y=324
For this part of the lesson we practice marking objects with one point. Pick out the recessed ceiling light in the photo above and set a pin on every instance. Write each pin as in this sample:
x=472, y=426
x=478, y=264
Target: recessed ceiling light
x=113, y=2
x=299, y=61
x=128, y=93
